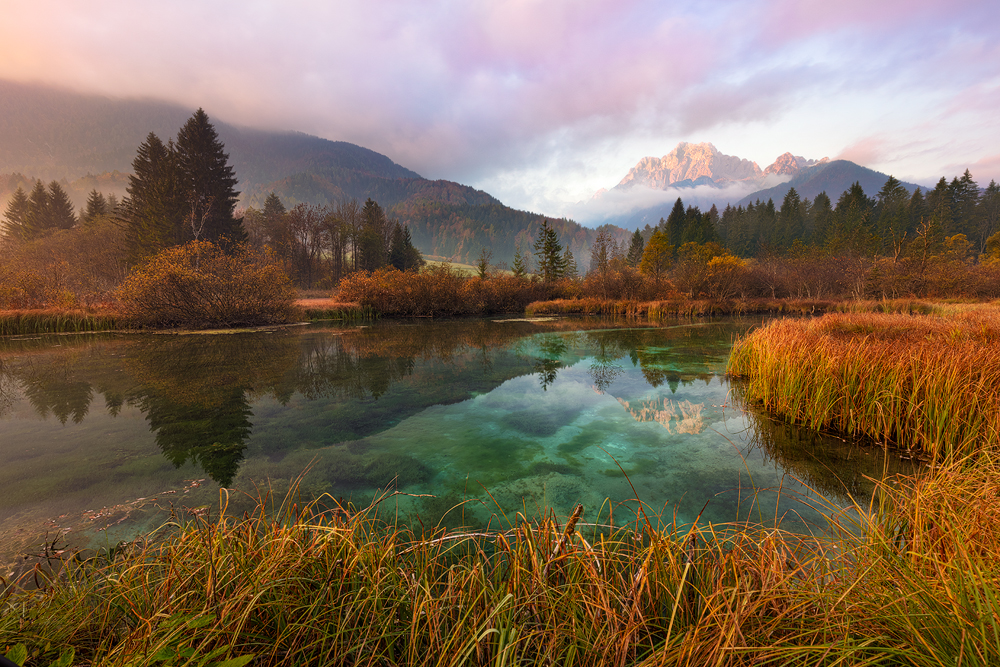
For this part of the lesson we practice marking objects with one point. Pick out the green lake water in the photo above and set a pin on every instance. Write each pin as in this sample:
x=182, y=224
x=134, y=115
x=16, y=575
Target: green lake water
x=454, y=422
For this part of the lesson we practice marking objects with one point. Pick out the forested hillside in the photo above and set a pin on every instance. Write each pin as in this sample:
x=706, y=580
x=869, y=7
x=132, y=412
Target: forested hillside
x=88, y=143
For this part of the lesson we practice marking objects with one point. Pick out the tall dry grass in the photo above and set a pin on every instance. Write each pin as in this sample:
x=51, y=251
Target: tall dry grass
x=56, y=320
x=924, y=382
x=911, y=579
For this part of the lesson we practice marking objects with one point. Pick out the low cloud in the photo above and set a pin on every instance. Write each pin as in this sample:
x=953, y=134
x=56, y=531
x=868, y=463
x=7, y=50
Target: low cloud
x=620, y=205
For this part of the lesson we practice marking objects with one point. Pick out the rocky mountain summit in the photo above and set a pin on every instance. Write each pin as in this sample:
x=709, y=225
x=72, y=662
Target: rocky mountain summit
x=789, y=165
x=703, y=164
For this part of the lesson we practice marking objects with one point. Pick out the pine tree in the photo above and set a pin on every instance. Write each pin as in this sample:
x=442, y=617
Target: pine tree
x=791, y=221
x=36, y=221
x=569, y=262
x=520, y=265
x=635, y=248
x=154, y=209
x=273, y=206
x=892, y=224
x=96, y=207
x=965, y=198
x=988, y=215
x=402, y=254
x=548, y=252
x=16, y=216
x=207, y=183
x=821, y=219
x=60, y=210
x=675, y=223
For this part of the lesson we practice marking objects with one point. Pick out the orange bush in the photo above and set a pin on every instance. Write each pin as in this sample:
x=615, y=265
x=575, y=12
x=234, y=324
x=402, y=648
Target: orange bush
x=437, y=291
x=198, y=285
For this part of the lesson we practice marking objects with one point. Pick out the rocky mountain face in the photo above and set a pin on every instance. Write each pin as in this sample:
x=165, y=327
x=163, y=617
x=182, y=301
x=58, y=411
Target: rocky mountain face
x=703, y=164
x=789, y=165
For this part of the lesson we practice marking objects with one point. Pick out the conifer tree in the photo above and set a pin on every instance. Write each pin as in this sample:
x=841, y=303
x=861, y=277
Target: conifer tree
x=154, y=209
x=548, y=252
x=892, y=222
x=59, y=214
x=569, y=262
x=95, y=207
x=988, y=215
x=635, y=248
x=402, y=254
x=207, y=182
x=674, y=226
x=520, y=265
x=791, y=220
x=16, y=216
x=38, y=203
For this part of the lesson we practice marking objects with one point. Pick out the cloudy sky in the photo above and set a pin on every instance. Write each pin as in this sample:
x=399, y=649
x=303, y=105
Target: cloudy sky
x=542, y=102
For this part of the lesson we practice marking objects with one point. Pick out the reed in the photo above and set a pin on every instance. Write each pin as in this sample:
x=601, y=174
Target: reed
x=55, y=320
x=344, y=312
x=927, y=383
x=677, y=307
x=911, y=579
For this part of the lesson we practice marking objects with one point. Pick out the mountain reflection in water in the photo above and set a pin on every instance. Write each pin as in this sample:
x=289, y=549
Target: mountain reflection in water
x=538, y=413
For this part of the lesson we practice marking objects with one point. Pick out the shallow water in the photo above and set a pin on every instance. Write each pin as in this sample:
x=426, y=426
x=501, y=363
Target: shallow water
x=467, y=420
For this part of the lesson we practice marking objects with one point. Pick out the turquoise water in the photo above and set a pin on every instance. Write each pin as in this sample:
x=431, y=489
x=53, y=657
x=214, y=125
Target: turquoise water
x=457, y=422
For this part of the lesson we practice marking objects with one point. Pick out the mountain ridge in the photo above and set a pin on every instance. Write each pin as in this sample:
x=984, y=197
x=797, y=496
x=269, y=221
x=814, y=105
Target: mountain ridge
x=90, y=140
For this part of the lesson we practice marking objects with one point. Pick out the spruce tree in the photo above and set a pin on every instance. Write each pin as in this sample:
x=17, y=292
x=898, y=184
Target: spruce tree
x=548, y=252
x=988, y=215
x=16, y=216
x=791, y=222
x=402, y=254
x=36, y=221
x=60, y=210
x=570, y=269
x=674, y=226
x=520, y=266
x=95, y=207
x=635, y=248
x=207, y=183
x=154, y=209
x=892, y=224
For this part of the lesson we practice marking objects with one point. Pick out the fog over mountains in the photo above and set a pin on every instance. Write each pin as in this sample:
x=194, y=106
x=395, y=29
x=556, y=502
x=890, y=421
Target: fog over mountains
x=89, y=142
x=703, y=176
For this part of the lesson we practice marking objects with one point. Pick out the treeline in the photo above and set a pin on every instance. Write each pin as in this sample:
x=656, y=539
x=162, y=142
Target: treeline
x=319, y=245
x=890, y=224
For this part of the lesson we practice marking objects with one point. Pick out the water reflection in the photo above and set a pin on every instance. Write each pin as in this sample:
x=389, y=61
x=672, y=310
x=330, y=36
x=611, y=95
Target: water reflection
x=540, y=414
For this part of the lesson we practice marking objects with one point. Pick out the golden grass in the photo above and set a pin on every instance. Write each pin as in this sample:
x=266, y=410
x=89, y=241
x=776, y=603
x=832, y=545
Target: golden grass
x=677, y=307
x=56, y=320
x=910, y=580
x=923, y=382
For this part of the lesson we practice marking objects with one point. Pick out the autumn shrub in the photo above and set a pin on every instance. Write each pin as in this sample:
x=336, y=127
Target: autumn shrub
x=20, y=289
x=437, y=291
x=624, y=284
x=70, y=268
x=198, y=285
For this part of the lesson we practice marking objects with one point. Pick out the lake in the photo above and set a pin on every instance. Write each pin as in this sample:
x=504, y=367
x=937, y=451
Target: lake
x=457, y=423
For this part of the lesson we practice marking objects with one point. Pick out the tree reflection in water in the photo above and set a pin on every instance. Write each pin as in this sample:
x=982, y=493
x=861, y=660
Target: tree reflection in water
x=197, y=391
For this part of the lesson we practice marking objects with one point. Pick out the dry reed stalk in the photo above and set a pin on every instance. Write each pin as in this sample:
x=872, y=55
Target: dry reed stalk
x=923, y=383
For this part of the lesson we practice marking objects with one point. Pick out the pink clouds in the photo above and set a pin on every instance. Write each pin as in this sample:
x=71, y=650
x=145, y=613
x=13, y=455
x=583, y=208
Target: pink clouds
x=471, y=89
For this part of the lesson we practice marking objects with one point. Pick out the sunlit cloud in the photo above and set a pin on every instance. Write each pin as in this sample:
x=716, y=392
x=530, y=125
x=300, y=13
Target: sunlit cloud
x=572, y=92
